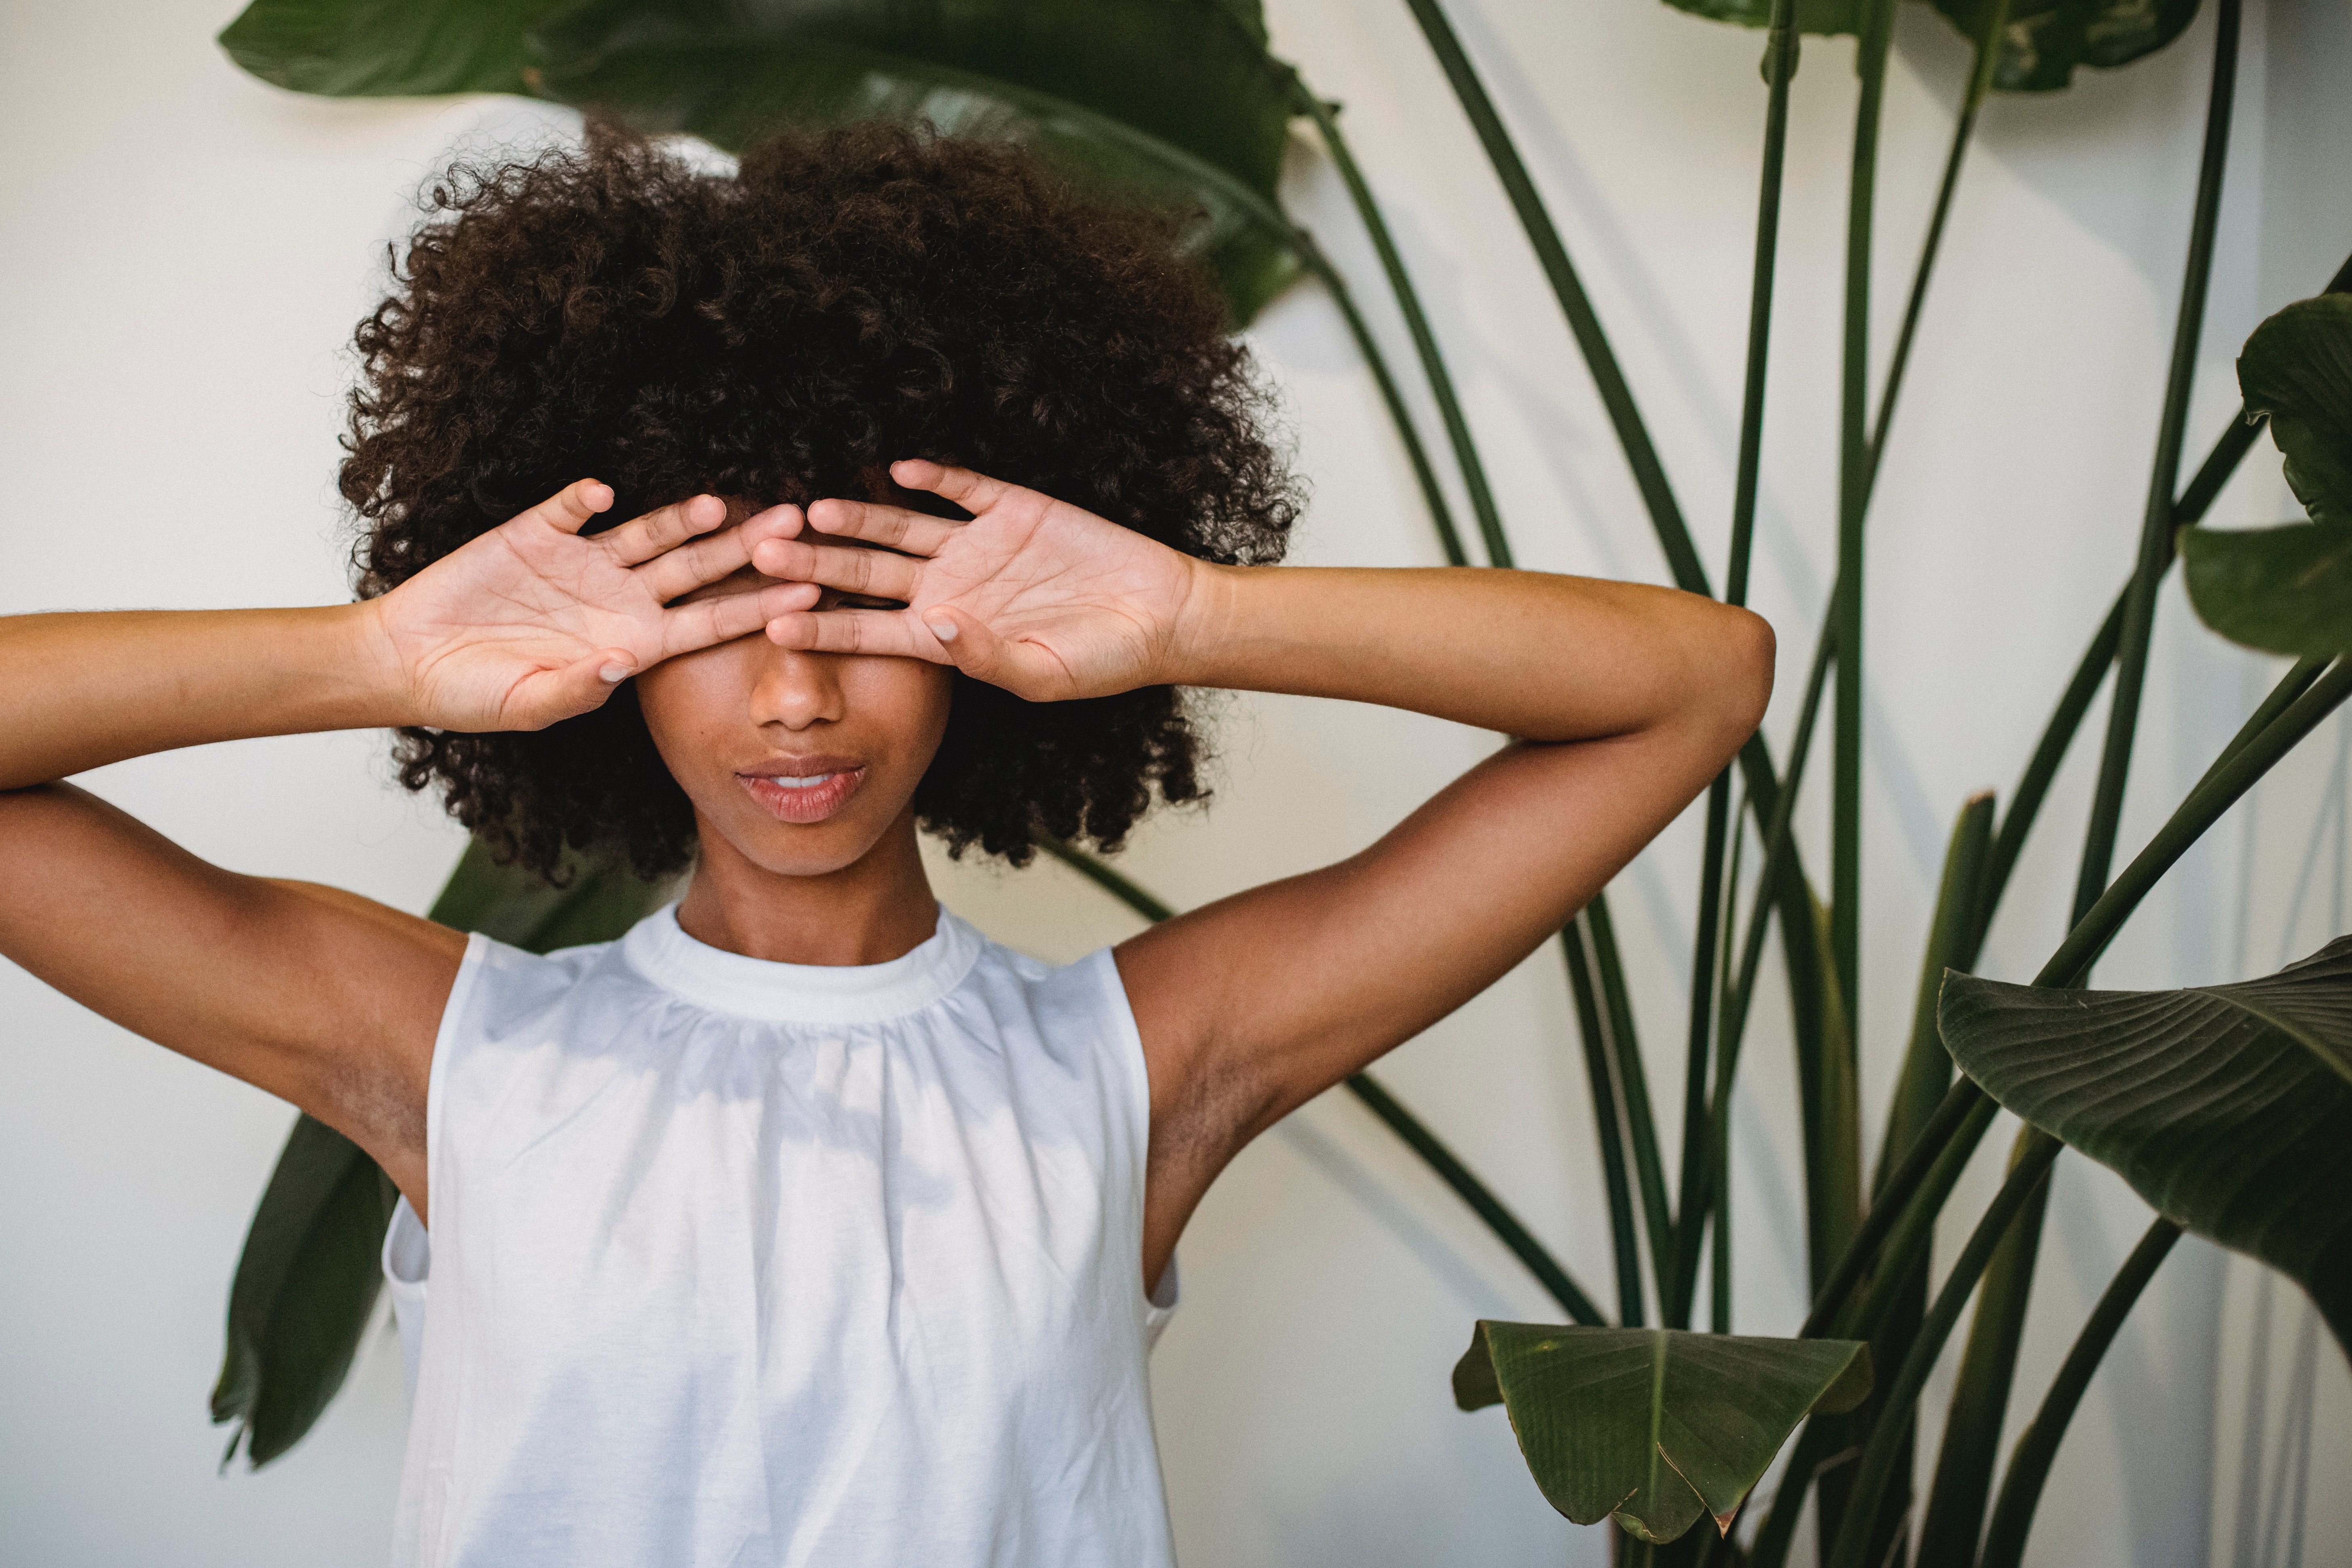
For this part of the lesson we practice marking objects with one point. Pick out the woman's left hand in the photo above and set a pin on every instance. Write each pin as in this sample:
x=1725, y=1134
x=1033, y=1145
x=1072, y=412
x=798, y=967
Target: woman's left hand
x=1036, y=596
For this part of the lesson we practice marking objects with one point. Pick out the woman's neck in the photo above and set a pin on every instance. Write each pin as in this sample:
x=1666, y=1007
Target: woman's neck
x=877, y=907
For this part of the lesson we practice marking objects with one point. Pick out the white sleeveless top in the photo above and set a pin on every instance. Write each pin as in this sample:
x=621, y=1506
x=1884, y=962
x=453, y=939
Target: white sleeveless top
x=737, y=1263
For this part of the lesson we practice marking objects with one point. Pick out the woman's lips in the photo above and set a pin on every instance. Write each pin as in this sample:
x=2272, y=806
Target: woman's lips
x=809, y=796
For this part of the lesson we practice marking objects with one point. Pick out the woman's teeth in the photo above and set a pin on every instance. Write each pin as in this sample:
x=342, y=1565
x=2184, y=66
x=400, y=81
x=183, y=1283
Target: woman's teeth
x=787, y=780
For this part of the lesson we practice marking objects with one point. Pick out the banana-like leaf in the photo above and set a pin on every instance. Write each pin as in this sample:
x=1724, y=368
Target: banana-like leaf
x=1654, y=1427
x=1168, y=103
x=304, y=1287
x=2289, y=590
x=2283, y=590
x=2228, y=1107
x=2297, y=368
x=306, y=1279
x=385, y=48
x=2041, y=44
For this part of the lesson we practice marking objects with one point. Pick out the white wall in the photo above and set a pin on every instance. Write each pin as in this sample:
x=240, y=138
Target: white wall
x=189, y=250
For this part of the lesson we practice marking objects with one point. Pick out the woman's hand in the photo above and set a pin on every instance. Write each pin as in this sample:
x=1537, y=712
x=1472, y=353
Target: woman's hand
x=1032, y=595
x=532, y=623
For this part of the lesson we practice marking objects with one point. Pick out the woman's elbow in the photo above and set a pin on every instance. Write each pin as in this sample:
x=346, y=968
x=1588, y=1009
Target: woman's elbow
x=1743, y=676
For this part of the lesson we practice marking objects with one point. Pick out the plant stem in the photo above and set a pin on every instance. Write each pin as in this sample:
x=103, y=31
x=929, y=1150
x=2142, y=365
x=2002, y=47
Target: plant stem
x=2228, y=778
x=1995, y=19
x=1424, y=341
x=2156, y=529
x=1500, y=1220
x=1854, y=483
x=2026, y=1181
x=1432, y=494
x=1608, y=378
x=2029, y=1467
x=1402, y=1123
x=1607, y=1108
x=1625, y=1056
x=1684, y=1235
x=1779, y=66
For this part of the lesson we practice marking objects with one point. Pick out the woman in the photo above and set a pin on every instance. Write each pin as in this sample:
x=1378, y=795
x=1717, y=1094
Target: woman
x=804, y=1224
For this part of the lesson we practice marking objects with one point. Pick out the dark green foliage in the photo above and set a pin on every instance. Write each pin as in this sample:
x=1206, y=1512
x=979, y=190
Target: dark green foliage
x=2042, y=42
x=2228, y=1107
x=1652, y=1426
x=2289, y=590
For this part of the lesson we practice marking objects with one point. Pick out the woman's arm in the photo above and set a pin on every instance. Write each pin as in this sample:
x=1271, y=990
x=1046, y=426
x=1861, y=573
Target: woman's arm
x=1627, y=700
x=322, y=998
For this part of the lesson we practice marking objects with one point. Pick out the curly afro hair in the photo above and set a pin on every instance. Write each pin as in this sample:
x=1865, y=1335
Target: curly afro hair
x=845, y=300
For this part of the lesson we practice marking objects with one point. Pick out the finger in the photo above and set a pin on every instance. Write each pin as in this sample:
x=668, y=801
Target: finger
x=876, y=573
x=913, y=533
x=776, y=522
x=569, y=508
x=664, y=527
x=972, y=644
x=578, y=688
x=708, y=622
x=973, y=492
x=887, y=633
x=677, y=572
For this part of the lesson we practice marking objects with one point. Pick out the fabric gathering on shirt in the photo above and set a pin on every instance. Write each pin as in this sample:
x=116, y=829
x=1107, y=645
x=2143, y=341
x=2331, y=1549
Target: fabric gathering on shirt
x=735, y=1263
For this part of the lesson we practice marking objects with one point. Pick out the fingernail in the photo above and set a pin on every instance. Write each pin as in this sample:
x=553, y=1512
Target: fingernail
x=613, y=673
x=943, y=630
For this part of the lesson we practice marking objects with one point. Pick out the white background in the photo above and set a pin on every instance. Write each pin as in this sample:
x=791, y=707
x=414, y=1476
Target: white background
x=187, y=252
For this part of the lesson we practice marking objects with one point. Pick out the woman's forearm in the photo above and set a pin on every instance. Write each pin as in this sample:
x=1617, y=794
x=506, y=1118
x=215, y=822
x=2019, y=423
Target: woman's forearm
x=1536, y=655
x=77, y=691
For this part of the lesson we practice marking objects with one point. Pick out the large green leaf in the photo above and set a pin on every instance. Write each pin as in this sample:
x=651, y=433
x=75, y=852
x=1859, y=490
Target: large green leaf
x=2297, y=368
x=2228, y=1107
x=2040, y=44
x=2289, y=590
x=2283, y=590
x=1170, y=104
x=1654, y=1427
x=306, y=1279
x=304, y=1287
x=384, y=49
x=731, y=93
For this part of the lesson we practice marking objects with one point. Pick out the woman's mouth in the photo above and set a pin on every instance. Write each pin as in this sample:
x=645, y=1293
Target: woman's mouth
x=810, y=792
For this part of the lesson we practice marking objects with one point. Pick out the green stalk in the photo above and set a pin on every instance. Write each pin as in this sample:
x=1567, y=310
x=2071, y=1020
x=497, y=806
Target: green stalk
x=2155, y=527
x=1956, y=1501
x=2028, y=1180
x=1927, y=1073
x=1678, y=1278
x=2228, y=779
x=1736, y=996
x=1424, y=341
x=1995, y=19
x=1718, y=1170
x=1854, y=483
x=1779, y=66
x=1402, y=1123
x=2033, y=787
x=1500, y=1220
x=1782, y=44
x=2025, y=803
x=2029, y=1467
x=1626, y=1054
x=1606, y=1110
x=1640, y=455
x=1432, y=494
x=1925, y=1077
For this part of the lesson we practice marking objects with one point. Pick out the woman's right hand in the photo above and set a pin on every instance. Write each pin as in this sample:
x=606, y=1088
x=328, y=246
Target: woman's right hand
x=532, y=623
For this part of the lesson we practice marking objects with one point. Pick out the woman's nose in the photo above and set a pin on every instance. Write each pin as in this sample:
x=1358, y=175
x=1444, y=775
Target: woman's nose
x=796, y=688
